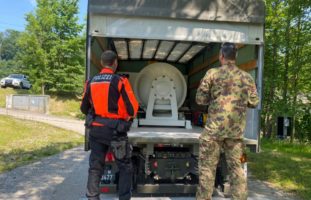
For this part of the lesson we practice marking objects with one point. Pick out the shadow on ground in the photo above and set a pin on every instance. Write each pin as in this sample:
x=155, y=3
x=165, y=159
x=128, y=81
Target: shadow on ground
x=61, y=175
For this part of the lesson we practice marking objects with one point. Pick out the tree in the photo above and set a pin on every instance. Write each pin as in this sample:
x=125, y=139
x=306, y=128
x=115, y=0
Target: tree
x=51, y=47
x=1, y=41
x=9, y=67
x=274, y=25
x=287, y=65
x=8, y=50
x=8, y=44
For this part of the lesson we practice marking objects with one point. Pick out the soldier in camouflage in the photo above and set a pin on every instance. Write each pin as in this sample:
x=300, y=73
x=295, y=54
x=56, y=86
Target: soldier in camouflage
x=228, y=91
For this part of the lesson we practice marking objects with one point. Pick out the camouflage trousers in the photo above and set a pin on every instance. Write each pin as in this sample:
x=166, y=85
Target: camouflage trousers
x=208, y=160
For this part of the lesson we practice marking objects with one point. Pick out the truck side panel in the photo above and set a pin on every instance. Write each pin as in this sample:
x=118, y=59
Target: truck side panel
x=247, y=60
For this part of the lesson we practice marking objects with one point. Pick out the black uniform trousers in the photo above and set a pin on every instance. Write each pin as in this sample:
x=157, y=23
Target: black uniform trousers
x=99, y=147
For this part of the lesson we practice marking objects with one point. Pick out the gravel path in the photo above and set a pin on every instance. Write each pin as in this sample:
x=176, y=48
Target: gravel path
x=63, y=176
x=69, y=124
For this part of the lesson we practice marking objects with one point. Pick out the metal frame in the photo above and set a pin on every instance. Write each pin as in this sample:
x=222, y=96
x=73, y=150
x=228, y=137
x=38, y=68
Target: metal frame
x=179, y=30
x=241, y=11
x=142, y=49
x=126, y=44
x=88, y=46
x=259, y=89
x=128, y=49
x=127, y=40
x=186, y=51
x=153, y=96
x=111, y=44
x=260, y=73
x=157, y=49
x=171, y=50
x=196, y=55
x=87, y=71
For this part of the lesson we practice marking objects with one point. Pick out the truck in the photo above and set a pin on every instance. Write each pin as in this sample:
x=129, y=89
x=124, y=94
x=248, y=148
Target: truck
x=165, y=47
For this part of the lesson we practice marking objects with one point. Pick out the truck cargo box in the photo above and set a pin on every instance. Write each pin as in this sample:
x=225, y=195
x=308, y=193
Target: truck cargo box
x=187, y=36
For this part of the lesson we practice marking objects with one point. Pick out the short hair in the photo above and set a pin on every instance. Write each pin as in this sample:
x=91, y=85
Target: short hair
x=229, y=51
x=108, y=57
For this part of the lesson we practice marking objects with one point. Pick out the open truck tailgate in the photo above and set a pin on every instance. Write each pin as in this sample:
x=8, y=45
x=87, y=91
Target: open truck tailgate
x=162, y=135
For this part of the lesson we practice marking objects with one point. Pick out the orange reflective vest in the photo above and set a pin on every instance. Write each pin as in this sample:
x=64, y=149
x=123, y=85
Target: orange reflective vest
x=110, y=96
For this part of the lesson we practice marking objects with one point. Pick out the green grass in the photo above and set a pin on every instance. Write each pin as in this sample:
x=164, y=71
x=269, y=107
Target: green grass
x=286, y=166
x=7, y=91
x=23, y=142
x=63, y=106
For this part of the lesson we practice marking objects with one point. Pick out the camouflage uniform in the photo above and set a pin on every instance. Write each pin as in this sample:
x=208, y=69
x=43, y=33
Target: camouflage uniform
x=228, y=91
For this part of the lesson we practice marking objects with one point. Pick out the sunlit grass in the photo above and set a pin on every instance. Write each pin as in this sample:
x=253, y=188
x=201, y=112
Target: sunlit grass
x=23, y=142
x=7, y=91
x=65, y=106
x=59, y=105
x=287, y=166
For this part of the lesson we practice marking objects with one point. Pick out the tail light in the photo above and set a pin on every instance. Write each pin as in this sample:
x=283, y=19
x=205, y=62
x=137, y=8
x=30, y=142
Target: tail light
x=243, y=158
x=109, y=157
x=155, y=164
x=104, y=189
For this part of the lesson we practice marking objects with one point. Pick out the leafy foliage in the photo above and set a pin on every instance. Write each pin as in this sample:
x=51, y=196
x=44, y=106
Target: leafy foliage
x=287, y=75
x=51, y=47
x=8, y=67
x=8, y=45
x=8, y=51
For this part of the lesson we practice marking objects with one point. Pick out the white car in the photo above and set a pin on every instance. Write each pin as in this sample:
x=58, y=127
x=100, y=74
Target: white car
x=15, y=81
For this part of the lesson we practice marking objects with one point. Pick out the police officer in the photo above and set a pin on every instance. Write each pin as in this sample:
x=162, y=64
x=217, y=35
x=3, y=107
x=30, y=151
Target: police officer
x=227, y=91
x=109, y=103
